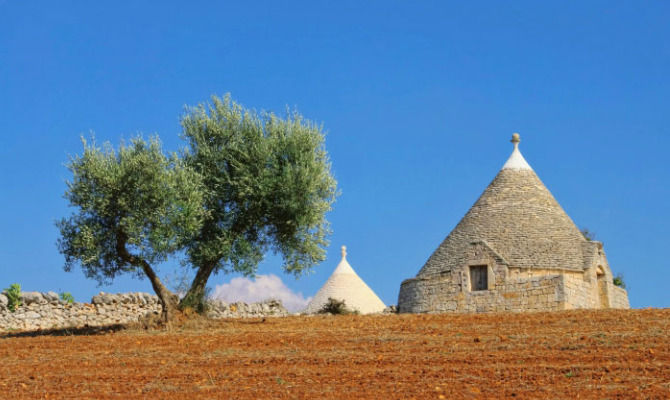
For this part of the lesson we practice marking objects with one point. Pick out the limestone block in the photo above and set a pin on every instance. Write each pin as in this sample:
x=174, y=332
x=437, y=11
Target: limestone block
x=31, y=315
x=50, y=296
x=29, y=298
x=97, y=299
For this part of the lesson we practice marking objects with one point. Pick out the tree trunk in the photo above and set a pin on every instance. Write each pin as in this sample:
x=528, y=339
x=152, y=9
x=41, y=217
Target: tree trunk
x=165, y=296
x=195, y=297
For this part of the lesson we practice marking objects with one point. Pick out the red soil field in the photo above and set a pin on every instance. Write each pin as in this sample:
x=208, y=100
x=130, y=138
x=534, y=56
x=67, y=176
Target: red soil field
x=615, y=354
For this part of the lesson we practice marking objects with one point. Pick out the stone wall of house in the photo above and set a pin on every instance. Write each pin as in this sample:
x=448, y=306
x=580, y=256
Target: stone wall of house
x=619, y=297
x=580, y=292
x=47, y=311
x=440, y=294
x=588, y=291
x=522, y=291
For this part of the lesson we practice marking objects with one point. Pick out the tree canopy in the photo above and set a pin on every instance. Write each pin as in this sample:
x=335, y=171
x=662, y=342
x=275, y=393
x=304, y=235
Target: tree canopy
x=267, y=185
x=134, y=208
x=248, y=183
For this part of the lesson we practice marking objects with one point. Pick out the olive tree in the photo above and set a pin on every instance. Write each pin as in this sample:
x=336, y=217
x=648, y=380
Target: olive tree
x=267, y=186
x=133, y=209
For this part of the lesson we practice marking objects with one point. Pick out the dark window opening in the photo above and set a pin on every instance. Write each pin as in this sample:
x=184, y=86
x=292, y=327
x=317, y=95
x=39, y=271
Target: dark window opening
x=479, y=279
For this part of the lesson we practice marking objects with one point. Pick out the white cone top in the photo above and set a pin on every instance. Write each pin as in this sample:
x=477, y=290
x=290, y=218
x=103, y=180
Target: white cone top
x=516, y=160
x=343, y=267
x=345, y=284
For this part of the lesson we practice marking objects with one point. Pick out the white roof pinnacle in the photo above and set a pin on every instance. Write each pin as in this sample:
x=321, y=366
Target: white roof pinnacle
x=345, y=284
x=343, y=267
x=516, y=160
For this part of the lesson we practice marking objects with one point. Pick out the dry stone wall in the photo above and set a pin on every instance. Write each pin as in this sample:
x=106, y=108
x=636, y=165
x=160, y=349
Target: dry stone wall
x=515, y=250
x=268, y=308
x=580, y=293
x=440, y=294
x=619, y=298
x=47, y=311
x=519, y=218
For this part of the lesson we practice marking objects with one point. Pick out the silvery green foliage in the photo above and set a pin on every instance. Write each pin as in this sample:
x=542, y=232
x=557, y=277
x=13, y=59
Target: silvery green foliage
x=268, y=186
x=135, y=198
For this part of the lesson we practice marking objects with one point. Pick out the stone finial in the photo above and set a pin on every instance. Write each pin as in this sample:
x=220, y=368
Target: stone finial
x=516, y=160
x=344, y=251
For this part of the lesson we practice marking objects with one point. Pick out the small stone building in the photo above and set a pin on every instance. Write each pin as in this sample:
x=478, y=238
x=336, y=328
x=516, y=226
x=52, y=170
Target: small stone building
x=345, y=285
x=515, y=250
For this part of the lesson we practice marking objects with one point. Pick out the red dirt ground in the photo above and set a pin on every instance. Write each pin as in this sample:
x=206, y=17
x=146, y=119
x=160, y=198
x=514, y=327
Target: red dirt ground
x=616, y=354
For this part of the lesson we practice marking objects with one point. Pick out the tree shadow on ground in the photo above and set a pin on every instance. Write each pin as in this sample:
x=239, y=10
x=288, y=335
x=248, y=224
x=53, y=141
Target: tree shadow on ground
x=80, y=331
x=189, y=322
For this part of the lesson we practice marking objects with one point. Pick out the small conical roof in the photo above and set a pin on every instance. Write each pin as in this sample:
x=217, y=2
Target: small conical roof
x=519, y=219
x=345, y=284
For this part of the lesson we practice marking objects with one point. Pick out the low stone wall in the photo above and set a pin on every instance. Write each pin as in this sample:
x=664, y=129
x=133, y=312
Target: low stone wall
x=47, y=311
x=268, y=308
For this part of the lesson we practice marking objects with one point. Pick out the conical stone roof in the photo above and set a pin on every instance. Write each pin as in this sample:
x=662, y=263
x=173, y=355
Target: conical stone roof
x=519, y=219
x=345, y=284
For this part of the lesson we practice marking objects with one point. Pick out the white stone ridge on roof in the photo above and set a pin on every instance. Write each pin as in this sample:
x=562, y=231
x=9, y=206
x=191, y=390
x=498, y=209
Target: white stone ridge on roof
x=345, y=284
x=516, y=160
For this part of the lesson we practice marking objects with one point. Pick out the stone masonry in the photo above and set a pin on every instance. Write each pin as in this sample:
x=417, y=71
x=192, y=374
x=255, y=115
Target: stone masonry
x=515, y=250
x=47, y=311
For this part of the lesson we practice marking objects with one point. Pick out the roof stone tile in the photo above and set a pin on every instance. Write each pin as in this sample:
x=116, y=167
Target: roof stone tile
x=519, y=218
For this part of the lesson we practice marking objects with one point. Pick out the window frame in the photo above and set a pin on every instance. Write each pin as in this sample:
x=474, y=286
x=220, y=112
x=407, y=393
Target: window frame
x=486, y=283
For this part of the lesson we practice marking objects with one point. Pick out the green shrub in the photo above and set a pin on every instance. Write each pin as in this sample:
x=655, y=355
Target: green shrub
x=13, y=293
x=67, y=297
x=618, y=281
x=588, y=235
x=336, y=307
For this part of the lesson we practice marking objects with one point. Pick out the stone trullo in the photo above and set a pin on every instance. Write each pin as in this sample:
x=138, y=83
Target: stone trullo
x=345, y=284
x=515, y=250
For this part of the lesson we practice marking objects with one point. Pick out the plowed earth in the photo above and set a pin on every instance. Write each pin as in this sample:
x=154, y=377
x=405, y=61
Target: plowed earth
x=570, y=354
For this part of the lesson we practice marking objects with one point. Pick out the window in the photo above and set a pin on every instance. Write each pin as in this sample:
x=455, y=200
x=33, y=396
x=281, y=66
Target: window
x=479, y=277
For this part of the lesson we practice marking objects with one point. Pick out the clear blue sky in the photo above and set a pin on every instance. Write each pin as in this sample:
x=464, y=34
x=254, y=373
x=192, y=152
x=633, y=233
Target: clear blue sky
x=419, y=100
